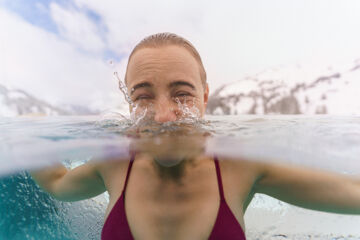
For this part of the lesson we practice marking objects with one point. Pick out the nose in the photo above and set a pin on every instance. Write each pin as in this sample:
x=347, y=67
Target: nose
x=165, y=111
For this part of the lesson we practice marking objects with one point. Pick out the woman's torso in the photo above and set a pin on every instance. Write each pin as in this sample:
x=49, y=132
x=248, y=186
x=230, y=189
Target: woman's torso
x=186, y=209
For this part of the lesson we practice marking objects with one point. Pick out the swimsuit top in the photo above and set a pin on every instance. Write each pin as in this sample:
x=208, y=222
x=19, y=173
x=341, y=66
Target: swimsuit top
x=116, y=226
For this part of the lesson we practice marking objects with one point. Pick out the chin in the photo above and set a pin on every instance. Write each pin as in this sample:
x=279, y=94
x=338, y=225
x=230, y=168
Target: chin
x=168, y=161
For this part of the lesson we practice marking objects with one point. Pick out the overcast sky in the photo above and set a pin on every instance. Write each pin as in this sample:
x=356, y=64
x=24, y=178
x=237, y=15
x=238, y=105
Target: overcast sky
x=60, y=50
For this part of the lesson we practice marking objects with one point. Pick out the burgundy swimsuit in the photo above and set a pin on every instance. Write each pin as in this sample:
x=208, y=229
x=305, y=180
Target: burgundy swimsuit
x=116, y=226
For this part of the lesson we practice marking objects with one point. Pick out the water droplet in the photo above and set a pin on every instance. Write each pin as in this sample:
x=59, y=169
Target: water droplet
x=123, y=89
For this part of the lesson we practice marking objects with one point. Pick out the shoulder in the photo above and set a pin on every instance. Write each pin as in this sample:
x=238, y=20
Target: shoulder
x=104, y=166
x=240, y=167
x=110, y=170
x=240, y=176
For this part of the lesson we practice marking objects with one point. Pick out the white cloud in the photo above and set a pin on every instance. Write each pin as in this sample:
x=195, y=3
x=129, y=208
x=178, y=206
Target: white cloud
x=51, y=68
x=76, y=27
x=130, y=21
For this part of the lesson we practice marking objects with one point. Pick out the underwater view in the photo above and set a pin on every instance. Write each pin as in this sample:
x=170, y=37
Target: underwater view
x=27, y=212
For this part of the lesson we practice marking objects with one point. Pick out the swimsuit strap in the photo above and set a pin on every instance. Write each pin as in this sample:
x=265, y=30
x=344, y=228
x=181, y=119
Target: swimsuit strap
x=218, y=174
x=128, y=170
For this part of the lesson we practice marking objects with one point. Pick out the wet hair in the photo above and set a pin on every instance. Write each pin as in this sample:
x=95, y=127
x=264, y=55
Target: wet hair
x=167, y=39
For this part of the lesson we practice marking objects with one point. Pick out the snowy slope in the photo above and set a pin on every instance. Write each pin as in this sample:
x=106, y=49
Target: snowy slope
x=282, y=90
x=18, y=102
x=291, y=90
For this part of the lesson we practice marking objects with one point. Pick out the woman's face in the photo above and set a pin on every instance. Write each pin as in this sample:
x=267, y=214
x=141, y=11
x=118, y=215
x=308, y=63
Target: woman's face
x=165, y=83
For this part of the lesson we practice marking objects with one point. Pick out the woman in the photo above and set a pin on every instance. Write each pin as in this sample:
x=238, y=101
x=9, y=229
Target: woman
x=193, y=197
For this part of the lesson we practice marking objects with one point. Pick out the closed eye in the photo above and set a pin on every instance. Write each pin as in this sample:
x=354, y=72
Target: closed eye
x=183, y=94
x=183, y=97
x=142, y=97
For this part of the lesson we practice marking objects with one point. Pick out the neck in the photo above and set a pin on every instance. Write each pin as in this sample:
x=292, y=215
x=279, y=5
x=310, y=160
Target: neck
x=174, y=169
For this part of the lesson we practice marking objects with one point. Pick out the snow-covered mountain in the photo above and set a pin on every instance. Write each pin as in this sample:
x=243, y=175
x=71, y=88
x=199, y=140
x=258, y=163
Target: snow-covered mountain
x=18, y=102
x=291, y=90
x=282, y=90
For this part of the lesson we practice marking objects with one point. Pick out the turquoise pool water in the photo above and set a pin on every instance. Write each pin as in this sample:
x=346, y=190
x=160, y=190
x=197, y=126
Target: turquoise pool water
x=326, y=142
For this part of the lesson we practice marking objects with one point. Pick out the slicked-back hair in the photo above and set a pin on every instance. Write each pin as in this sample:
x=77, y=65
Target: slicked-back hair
x=167, y=39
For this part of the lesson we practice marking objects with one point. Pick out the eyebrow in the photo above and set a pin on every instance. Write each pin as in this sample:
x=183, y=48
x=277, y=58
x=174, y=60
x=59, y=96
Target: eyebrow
x=171, y=85
x=181, y=83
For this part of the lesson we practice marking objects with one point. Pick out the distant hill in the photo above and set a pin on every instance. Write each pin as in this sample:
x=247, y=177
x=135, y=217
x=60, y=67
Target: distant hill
x=290, y=90
x=18, y=102
x=283, y=90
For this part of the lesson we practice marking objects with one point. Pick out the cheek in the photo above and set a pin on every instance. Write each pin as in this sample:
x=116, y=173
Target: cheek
x=201, y=105
x=201, y=108
x=200, y=99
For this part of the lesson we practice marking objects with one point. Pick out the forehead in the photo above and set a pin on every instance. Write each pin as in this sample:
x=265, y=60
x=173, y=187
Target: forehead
x=167, y=62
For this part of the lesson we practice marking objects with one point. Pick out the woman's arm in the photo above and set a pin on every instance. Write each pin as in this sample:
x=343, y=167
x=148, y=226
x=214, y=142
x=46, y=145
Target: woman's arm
x=79, y=183
x=309, y=188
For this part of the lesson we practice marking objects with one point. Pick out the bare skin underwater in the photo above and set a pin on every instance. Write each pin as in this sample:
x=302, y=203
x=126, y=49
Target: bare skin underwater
x=173, y=192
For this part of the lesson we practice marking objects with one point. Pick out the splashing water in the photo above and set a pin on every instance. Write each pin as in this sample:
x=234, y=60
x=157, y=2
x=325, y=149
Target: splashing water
x=140, y=116
x=112, y=117
x=145, y=116
x=123, y=89
x=189, y=113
